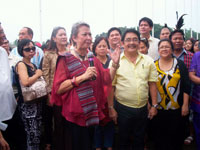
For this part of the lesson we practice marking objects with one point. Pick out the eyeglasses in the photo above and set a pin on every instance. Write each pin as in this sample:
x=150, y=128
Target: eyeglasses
x=29, y=49
x=164, y=47
x=129, y=40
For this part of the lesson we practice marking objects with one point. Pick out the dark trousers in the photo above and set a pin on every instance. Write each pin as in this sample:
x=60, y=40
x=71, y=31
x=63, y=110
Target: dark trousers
x=15, y=134
x=169, y=130
x=196, y=120
x=132, y=123
x=47, y=122
x=58, y=134
x=81, y=137
x=104, y=135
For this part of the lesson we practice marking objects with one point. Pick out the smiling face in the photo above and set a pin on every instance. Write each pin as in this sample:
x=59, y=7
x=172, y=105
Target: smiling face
x=101, y=49
x=188, y=45
x=60, y=38
x=114, y=38
x=196, y=46
x=165, y=49
x=83, y=39
x=29, y=54
x=142, y=48
x=131, y=43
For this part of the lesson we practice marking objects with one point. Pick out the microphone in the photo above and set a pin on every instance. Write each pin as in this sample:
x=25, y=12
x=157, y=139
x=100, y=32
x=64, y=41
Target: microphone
x=91, y=62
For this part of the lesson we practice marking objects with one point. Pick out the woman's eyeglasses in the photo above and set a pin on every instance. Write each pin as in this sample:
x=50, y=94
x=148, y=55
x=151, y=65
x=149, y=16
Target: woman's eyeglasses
x=29, y=49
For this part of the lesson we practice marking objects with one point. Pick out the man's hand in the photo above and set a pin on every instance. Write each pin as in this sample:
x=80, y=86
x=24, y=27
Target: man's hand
x=113, y=114
x=152, y=112
x=3, y=144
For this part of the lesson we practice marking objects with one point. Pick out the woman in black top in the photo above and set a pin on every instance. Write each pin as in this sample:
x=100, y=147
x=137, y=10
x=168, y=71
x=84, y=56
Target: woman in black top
x=27, y=74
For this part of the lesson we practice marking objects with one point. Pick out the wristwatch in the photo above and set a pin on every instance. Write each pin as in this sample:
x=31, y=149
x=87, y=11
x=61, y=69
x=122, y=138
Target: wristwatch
x=155, y=105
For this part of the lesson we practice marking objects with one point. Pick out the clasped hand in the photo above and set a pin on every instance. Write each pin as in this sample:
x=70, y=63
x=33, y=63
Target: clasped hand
x=90, y=72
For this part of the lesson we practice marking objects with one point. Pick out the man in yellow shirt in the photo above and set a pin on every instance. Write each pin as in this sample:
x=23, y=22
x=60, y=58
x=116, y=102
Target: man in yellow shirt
x=136, y=76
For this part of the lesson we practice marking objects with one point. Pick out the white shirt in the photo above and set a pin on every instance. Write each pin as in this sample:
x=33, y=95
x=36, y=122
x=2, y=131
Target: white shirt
x=7, y=100
x=153, y=48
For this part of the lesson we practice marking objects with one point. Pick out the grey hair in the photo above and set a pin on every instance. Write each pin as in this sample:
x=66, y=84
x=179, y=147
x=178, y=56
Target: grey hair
x=75, y=29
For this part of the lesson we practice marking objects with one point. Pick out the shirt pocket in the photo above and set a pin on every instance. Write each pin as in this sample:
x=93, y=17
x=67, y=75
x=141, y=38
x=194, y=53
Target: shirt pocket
x=143, y=72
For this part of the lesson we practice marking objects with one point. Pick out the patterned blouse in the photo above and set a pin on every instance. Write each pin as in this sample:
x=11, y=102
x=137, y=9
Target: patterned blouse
x=168, y=87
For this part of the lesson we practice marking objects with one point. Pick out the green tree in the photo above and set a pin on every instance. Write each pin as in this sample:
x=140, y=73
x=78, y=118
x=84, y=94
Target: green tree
x=157, y=29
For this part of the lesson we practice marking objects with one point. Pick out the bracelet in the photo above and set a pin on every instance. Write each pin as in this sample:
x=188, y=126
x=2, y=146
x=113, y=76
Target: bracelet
x=155, y=105
x=73, y=81
x=115, y=66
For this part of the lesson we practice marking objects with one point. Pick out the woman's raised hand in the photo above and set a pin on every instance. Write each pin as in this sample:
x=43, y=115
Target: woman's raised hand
x=115, y=55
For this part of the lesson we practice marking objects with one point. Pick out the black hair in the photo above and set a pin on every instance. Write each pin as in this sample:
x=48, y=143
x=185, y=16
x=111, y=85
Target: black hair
x=192, y=40
x=166, y=40
x=30, y=31
x=21, y=44
x=45, y=45
x=165, y=26
x=177, y=31
x=52, y=43
x=148, y=20
x=131, y=31
x=199, y=44
x=112, y=29
x=97, y=41
x=145, y=41
x=194, y=44
x=178, y=28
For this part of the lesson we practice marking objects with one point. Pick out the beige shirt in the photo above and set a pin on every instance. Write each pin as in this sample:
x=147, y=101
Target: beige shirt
x=48, y=67
x=153, y=48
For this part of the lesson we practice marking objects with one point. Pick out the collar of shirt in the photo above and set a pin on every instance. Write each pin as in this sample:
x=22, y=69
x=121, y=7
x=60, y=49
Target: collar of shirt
x=150, y=38
x=121, y=48
x=139, y=57
x=181, y=56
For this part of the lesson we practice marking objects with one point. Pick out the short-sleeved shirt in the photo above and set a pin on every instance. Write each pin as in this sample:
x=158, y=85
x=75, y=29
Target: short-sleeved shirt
x=131, y=80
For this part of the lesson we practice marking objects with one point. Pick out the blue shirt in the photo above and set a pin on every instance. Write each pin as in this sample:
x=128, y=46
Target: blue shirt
x=181, y=56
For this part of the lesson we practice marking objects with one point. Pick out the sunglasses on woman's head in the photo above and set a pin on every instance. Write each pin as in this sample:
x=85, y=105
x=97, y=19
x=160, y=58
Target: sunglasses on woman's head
x=29, y=49
x=144, y=39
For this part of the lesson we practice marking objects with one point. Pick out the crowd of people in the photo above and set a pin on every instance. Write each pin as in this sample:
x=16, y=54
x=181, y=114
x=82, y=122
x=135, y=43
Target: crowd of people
x=131, y=85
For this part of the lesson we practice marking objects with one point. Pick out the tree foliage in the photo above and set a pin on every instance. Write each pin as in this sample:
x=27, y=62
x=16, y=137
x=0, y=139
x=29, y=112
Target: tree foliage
x=157, y=29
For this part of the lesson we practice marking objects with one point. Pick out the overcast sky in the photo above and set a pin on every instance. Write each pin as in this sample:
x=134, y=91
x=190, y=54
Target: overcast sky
x=100, y=14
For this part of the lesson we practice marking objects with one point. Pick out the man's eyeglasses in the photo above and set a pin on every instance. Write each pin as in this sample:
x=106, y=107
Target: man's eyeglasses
x=133, y=40
x=29, y=49
x=164, y=47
